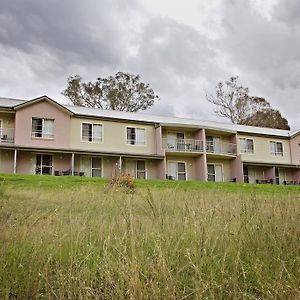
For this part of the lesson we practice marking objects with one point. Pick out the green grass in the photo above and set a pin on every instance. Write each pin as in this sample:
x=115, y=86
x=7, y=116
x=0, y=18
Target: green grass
x=69, y=238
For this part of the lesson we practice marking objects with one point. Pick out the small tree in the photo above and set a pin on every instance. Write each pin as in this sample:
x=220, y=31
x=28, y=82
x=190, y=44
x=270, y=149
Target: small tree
x=124, y=92
x=233, y=101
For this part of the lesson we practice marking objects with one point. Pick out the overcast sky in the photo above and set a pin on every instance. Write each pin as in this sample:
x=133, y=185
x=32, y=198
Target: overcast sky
x=182, y=48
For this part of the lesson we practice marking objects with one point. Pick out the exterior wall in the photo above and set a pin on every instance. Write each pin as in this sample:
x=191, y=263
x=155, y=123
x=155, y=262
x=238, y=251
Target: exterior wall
x=295, y=149
x=61, y=162
x=26, y=162
x=226, y=167
x=114, y=139
x=237, y=169
x=262, y=152
x=6, y=161
x=42, y=109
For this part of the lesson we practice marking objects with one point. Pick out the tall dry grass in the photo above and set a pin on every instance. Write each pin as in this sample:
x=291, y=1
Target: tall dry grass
x=83, y=243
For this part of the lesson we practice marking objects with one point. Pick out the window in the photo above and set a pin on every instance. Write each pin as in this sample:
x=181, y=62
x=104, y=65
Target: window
x=42, y=128
x=140, y=169
x=136, y=136
x=177, y=170
x=43, y=164
x=247, y=145
x=276, y=148
x=96, y=167
x=214, y=173
x=91, y=132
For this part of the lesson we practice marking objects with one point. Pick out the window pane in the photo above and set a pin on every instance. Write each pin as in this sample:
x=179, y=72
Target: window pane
x=211, y=169
x=140, y=136
x=131, y=135
x=96, y=173
x=47, y=160
x=181, y=167
x=243, y=145
x=97, y=132
x=250, y=146
x=181, y=176
x=96, y=163
x=86, y=132
x=37, y=127
x=48, y=129
x=279, y=147
x=140, y=165
x=141, y=174
x=273, y=147
x=211, y=177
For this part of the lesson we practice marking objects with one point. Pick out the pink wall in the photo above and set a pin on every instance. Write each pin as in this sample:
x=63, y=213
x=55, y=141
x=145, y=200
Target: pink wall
x=42, y=109
x=62, y=162
x=201, y=168
x=270, y=173
x=295, y=149
x=237, y=169
x=161, y=169
x=296, y=175
x=158, y=141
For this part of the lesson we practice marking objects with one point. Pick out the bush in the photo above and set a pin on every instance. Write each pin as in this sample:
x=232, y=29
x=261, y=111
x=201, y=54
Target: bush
x=123, y=181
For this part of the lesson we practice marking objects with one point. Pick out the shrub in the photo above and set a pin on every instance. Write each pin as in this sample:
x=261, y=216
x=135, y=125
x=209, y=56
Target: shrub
x=123, y=181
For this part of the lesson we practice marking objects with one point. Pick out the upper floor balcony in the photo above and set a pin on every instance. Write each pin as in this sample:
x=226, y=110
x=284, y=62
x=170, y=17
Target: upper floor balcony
x=221, y=147
x=7, y=135
x=183, y=145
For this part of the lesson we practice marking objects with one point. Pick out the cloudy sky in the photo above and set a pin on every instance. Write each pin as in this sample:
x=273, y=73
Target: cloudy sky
x=182, y=48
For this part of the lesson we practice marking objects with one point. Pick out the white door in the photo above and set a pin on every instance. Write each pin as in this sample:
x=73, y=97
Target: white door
x=171, y=141
x=251, y=174
x=86, y=165
x=282, y=176
x=172, y=169
x=217, y=145
x=218, y=173
x=130, y=167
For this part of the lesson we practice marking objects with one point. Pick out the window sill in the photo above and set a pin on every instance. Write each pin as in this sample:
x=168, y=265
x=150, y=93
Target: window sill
x=42, y=138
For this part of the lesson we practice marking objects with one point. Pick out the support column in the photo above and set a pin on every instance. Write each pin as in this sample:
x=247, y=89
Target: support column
x=72, y=164
x=120, y=165
x=15, y=161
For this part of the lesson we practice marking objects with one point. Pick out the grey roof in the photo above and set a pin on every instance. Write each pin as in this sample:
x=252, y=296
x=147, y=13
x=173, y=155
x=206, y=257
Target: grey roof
x=10, y=102
x=176, y=121
x=163, y=120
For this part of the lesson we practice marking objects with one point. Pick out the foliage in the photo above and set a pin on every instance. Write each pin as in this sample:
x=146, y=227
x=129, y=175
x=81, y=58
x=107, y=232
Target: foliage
x=233, y=101
x=168, y=243
x=124, y=92
x=124, y=181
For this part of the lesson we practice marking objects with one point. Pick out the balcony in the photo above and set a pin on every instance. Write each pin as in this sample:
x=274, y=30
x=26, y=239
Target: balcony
x=221, y=148
x=183, y=145
x=7, y=135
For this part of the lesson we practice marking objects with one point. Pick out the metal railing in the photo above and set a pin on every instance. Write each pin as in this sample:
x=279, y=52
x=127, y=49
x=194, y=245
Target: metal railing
x=183, y=145
x=7, y=135
x=42, y=134
x=221, y=148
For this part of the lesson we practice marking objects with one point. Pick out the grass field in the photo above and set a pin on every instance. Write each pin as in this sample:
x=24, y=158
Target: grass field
x=70, y=238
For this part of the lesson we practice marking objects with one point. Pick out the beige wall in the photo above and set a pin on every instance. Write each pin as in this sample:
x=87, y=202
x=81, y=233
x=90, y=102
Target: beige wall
x=8, y=120
x=42, y=109
x=6, y=161
x=295, y=149
x=262, y=151
x=114, y=137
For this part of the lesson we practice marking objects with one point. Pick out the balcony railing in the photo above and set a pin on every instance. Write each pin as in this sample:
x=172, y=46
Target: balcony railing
x=221, y=148
x=7, y=135
x=183, y=145
x=42, y=134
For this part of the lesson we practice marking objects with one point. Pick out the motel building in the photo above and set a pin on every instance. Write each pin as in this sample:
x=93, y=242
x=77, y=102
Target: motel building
x=44, y=137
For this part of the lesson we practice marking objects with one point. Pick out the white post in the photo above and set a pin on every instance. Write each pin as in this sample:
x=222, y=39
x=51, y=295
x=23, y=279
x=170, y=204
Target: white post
x=72, y=163
x=15, y=161
x=120, y=165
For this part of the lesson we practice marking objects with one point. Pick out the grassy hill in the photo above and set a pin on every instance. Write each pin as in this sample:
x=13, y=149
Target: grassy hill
x=69, y=237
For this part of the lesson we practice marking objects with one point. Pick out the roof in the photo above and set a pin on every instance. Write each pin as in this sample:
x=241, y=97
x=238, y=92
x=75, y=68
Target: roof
x=163, y=120
x=10, y=102
x=176, y=121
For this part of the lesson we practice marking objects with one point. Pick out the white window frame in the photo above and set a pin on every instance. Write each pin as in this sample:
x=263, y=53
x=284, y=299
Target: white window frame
x=246, y=150
x=93, y=140
x=276, y=153
x=128, y=142
x=43, y=135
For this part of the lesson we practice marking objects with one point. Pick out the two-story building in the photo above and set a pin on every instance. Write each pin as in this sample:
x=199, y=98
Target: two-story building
x=42, y=136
